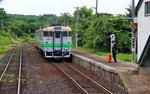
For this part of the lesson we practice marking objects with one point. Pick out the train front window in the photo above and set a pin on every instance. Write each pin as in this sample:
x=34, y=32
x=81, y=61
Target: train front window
x=51, y=34
x=57, y=34
x=69, y=33
x=66, y=33
x=45, y=34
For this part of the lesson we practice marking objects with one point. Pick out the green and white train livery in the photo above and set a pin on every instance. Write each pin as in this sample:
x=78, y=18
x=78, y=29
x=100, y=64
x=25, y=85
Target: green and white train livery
x=54, y=41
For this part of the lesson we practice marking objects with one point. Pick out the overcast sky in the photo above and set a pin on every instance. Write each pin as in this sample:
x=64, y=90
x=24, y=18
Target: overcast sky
x=40, y=7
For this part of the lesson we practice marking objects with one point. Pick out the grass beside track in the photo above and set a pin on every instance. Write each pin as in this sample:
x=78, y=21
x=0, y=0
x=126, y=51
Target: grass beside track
x=6, y=48
x=121, y=56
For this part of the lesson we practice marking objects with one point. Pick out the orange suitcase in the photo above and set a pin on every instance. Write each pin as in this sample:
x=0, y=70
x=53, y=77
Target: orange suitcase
x=108, y=58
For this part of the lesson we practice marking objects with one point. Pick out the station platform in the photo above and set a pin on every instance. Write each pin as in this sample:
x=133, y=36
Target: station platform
x=120, y=66
x=136, y=79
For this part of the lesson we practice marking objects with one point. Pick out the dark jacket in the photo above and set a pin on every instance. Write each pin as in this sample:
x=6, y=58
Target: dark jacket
x=114, y=48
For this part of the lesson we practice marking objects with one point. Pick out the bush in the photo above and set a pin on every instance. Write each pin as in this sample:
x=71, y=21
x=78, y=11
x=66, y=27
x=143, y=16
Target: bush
x=5, y=40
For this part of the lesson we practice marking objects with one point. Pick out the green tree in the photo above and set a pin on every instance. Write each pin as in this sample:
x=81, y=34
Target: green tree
x=2, y=14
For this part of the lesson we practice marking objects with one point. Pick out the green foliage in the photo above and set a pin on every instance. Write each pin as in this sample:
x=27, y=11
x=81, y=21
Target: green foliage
x=83, y=12
x=5, y=40
x=28, y=37
x=93, y=30
x=120, y=56
x=123, y=41
x=65, y=19
x=124, y=57
x=2, y=14
x=110, y=24
x=20, y=24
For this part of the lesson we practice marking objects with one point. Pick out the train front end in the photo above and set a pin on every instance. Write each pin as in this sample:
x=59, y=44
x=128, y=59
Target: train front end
x=57, y=42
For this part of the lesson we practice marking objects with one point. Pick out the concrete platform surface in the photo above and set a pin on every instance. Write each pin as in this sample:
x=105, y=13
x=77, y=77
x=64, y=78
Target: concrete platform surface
x=136, y=79
x=120, y=66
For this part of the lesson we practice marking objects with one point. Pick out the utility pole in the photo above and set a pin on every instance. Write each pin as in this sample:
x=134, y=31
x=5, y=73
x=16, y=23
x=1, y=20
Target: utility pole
x=133, y=28
x=76, y=30
x=56, y=20
x=96, y=6
x=64, y=19
x=133, y=39
x=133, y=9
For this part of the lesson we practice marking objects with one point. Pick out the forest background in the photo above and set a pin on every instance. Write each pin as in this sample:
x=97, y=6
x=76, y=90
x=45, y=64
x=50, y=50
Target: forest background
x=93, y=29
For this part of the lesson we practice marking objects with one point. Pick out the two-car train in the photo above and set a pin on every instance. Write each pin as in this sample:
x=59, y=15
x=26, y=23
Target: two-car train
x=54, y=41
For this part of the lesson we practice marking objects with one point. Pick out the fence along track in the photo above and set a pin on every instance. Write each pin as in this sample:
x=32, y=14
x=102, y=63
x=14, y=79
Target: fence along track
x=19, y=70
x=82, y=89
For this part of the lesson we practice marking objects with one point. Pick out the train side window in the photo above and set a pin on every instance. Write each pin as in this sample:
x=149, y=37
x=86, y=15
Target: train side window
x=45, y=34
x=65, y=34
x=69, y=33
x=51, y=34
x=57, y=34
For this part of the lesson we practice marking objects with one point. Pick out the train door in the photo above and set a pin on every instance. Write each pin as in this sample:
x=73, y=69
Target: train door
x=57, y=46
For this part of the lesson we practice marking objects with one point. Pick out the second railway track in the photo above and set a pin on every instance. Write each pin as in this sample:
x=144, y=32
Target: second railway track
x=11, y=75
x=85, y=84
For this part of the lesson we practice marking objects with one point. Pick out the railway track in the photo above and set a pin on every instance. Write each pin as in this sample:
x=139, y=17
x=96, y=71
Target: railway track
x=11, y=75
x=85, y=84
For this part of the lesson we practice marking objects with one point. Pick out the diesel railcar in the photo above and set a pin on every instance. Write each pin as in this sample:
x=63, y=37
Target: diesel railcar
x=54, y=41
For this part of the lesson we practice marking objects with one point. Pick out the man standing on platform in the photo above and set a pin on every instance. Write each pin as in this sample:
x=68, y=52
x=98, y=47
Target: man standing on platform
x=114, y=51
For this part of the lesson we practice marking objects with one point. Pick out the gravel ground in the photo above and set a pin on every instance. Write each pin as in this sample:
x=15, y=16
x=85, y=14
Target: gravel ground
x=39, y=76
x=42, y=77
x=140, y=83
x=96, y=78
x=9, y=82
x=81, y=80
x=4, y=59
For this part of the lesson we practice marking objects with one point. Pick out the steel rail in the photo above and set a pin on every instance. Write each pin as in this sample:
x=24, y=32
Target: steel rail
x=20, y=69
x=91, y=80
x=72, y=80
x=7, y=64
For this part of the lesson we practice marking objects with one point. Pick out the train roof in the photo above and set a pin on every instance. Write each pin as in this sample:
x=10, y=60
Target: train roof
x=56, y=28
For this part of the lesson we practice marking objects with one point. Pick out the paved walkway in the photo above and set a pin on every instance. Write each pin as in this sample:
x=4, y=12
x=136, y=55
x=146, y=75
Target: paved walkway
x=120, y=66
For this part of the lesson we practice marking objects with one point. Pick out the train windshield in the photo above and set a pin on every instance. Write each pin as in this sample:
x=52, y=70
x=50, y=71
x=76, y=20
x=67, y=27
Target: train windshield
x=51, y=34
x=46, y=34
x=66, y=33
x=57, y=35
